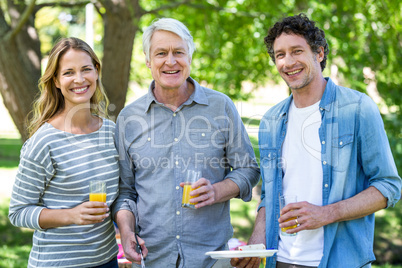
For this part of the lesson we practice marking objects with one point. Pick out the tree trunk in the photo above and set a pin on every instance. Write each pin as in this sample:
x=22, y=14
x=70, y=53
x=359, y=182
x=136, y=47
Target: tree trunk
x=19, y=69
x=20, y=58
x=121, y=25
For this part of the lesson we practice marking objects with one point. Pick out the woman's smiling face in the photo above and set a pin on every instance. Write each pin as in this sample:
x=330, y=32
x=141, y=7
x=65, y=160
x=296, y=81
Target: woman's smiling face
x=76, y=77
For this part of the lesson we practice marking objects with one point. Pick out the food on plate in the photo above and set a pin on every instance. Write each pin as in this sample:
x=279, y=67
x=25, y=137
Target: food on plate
x=252, y=247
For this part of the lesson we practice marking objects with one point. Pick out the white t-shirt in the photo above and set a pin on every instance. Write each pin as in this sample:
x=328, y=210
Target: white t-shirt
x=301, y=161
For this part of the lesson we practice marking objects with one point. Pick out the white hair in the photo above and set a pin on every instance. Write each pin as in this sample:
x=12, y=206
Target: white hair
x=170, y=25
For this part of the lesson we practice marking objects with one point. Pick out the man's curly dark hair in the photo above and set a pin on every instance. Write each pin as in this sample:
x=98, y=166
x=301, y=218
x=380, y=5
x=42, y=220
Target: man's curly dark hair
x=300, y=25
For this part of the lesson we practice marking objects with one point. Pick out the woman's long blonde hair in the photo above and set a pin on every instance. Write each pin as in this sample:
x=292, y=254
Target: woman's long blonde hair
x=50, y=100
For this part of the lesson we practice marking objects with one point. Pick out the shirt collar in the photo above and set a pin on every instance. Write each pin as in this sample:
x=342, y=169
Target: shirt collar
x=327, y=98
x=198, y=95
x=329, y=95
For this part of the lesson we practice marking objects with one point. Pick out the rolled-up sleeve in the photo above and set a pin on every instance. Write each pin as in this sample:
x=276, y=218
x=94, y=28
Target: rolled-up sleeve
x=376, y=156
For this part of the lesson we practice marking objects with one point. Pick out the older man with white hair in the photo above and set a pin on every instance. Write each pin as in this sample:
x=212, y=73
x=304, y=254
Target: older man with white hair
x=178, y=126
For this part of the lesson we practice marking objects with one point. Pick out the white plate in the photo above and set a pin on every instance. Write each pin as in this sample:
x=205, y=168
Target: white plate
x=228, y=254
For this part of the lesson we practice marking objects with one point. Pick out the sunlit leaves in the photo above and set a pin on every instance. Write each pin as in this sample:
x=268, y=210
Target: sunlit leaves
x=230, y=49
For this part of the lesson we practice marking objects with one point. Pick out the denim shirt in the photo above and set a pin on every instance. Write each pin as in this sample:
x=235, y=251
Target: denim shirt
x=355, y=154
x=156, y=146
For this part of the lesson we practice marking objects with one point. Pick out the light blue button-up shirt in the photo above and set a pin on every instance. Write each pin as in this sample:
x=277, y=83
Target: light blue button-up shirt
x=355, y=154
x=156, y=147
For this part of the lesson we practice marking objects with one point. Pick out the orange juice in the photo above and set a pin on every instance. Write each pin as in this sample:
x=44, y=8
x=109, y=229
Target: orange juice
x=285, y=200
x=290, y=227
x=186, y=196
x=99, y=197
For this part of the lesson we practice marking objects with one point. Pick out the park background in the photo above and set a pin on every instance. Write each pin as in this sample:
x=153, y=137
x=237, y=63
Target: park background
x=365, y=39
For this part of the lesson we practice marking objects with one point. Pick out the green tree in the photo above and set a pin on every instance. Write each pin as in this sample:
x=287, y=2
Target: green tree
x=19, y=59
x=363, y=35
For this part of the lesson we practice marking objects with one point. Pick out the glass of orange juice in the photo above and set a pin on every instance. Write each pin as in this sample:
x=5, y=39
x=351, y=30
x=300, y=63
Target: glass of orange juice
x=191, y=177
x=97, y=191
x=283, y=201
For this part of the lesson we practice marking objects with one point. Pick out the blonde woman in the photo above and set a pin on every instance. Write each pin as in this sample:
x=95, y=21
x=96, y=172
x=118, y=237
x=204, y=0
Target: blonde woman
x=71, y=143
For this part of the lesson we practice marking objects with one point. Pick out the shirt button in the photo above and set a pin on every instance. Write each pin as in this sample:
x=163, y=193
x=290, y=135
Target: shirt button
x=149, y=139
x=203, y=134
x=177, y=187
x=174, y=114
x=324, y=162
x=176, y=139
x=340, y=143
x=177, y=162
x=323, y=142
x=177, y=236
x=178, y=212
x=321, y=108
x=326, y=185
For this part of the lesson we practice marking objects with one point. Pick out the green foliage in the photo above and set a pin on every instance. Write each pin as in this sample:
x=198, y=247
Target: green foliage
x=50, y=27
x=388, y=242
x=14, y=256
x=55, y=22
x=387, y=266
x=10, y=152
x=393, y=125
x=364, y=37
x=365, y=42
x=243, y=217
x=16, y=242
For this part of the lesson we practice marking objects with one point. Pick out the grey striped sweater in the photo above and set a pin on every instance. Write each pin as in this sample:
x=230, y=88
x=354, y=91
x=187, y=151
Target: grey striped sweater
x=54, y=172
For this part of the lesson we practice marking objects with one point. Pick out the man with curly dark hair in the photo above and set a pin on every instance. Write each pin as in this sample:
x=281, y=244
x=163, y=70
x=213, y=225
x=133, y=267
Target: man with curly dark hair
x=326, y=145
x=299, y=25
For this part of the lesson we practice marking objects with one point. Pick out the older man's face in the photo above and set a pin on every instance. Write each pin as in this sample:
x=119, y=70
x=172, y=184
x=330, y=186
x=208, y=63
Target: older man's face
x=169, y=60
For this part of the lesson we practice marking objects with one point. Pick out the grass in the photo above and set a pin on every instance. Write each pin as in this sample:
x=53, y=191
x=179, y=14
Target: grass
x=16, y=242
